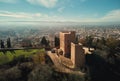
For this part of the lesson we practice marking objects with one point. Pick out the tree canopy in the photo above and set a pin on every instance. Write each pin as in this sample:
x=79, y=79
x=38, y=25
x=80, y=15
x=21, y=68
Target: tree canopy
x=44, y=41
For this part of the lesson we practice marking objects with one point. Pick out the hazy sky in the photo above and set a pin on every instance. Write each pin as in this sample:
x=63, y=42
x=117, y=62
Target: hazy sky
x=60, y=10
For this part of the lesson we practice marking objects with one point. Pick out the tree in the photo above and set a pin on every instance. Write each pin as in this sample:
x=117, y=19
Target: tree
x=8, y=43
x=44, y=41
x=39, y=58
x=10, y=74
x=57, y=42
x=83, y=41
x=76, y=39
x=112, y=44
x=103, y=41
x=89, y=40
x=26, y=43
x=2, y=44
x=95, y=43
x=41, y=73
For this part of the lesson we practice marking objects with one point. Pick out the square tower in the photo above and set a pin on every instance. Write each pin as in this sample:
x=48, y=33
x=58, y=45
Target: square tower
x=65, y=42
x=77, y=55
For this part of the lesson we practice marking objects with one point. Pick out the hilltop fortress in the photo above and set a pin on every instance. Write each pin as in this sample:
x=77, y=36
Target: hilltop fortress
x=72, y=50
x=70, y=55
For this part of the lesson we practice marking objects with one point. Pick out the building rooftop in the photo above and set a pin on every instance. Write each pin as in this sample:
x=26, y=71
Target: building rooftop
x=66, y=32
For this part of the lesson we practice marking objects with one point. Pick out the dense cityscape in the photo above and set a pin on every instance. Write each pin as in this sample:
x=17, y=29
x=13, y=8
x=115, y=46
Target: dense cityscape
x=34, y=33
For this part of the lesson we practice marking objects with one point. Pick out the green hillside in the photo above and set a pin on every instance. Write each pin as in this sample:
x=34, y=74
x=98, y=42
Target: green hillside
x=10, y=55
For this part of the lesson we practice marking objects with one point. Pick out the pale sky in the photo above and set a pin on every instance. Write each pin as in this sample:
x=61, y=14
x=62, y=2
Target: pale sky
x=60, y=10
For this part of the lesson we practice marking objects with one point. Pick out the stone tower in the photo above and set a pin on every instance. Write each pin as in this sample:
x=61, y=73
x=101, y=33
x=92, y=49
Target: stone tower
x=66, y=38
x=77, y=55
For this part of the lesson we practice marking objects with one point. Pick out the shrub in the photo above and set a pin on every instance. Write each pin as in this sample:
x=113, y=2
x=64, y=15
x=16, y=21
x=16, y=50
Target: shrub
x=11, y=74
x=40, y=73
x=3, y=59
x=39, y=58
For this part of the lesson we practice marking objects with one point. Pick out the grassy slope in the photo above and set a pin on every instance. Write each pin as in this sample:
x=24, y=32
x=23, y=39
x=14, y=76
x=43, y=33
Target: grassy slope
x=8, y=56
